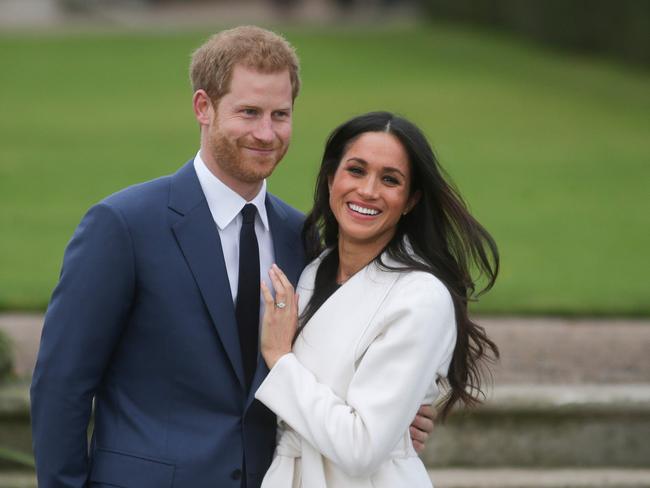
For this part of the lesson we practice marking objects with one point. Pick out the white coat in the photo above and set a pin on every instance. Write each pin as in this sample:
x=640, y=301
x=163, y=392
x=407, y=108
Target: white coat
x=360, y=369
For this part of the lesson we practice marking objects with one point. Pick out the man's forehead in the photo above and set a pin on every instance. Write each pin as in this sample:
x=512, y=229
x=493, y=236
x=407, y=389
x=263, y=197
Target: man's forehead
x=250, y=83
x=243, y=72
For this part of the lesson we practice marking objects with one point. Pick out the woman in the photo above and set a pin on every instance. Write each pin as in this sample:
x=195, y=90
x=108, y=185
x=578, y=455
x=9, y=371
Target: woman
x=383, y=313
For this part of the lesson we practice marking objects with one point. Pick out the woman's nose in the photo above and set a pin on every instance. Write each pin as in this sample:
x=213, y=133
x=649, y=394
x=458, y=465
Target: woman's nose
x=368, y=188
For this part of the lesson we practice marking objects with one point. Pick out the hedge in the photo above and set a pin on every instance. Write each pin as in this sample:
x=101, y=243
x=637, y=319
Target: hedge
x=619, y=29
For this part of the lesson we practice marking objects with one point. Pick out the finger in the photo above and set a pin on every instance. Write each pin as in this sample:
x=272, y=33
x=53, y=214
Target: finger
x=288, y=287
x=283, y=278
x=418, y=435
x=427, y=411
x=266, y=293
x=418, y=446
x=423, y=423
x=280, y=293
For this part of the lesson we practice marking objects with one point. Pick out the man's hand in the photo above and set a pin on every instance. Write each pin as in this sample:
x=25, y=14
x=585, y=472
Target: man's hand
x=422, y=426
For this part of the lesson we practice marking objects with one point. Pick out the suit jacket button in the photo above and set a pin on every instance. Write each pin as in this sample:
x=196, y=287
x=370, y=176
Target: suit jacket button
x=236, y=474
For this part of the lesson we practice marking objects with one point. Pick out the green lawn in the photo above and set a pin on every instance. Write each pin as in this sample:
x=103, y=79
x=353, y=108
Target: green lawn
x=551, y=151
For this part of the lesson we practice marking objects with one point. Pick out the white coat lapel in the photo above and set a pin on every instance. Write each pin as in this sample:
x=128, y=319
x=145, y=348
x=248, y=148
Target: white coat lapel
x=337, y=325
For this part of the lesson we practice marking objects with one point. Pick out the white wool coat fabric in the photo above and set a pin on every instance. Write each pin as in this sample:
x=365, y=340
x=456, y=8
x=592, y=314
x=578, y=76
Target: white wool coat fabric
x=362, y=366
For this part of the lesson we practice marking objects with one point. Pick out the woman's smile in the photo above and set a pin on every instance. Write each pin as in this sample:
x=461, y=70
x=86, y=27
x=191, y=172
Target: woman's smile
x=363, y=210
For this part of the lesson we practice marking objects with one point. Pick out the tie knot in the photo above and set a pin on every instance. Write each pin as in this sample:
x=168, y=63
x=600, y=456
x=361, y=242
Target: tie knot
x=248, y=213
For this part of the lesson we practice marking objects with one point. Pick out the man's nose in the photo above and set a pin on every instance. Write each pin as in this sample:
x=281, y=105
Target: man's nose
x=264, y=130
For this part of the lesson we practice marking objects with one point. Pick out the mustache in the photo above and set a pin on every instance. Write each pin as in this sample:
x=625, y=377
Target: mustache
x=260, y=145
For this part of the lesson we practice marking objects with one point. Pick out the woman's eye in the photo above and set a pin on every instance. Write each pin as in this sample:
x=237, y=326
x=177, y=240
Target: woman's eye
x=391, y=180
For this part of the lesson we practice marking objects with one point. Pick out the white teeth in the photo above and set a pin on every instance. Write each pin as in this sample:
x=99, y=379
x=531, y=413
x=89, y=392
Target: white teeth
x=363, y=210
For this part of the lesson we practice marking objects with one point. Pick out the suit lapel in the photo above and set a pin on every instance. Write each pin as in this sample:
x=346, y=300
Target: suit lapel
x=198, y=238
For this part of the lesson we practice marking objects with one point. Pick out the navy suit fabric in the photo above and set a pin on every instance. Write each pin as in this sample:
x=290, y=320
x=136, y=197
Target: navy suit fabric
x=142, y=320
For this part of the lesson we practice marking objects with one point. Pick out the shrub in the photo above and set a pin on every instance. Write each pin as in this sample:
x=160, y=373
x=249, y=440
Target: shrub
x=6, y=356
x=619, y=29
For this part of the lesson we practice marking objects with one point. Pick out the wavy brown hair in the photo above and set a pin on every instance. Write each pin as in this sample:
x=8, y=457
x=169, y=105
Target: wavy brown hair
x=447, y=240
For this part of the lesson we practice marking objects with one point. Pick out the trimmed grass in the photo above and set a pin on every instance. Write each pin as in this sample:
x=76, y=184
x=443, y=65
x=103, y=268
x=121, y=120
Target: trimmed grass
x=551, y=151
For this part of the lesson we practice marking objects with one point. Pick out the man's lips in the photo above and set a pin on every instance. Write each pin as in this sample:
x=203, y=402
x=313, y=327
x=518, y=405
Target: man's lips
x=260, y=149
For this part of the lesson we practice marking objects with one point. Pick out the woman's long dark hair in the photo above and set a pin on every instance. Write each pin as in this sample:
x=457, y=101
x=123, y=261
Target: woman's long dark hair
x=448, y=242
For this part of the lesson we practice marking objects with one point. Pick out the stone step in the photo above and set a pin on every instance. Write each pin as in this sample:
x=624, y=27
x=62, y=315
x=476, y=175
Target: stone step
x=519, y=426
x=15, y=431
x=479, y=478
x=555, y=350
x=562, y=397
x=541, y=478
x=549, y=426
x=13, y=479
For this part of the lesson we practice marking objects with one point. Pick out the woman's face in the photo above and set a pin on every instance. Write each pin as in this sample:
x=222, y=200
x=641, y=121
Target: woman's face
x=370, y=189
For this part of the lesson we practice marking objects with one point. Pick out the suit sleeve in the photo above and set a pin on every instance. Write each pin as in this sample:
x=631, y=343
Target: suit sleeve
x=413, y=344
x=83, y=323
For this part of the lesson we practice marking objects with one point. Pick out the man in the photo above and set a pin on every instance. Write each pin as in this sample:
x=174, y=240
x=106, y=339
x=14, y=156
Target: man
x=150, y=317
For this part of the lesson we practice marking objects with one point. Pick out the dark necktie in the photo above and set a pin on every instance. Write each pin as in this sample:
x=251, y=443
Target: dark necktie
x=247, y=309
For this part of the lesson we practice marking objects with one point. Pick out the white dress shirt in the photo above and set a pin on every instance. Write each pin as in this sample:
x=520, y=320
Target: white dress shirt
x=225, y=206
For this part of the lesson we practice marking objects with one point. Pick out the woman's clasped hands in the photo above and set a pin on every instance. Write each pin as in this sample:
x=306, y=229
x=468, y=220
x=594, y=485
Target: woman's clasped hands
x=280, y=320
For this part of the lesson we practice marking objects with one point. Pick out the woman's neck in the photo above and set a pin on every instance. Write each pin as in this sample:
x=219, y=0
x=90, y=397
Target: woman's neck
x=354, y=256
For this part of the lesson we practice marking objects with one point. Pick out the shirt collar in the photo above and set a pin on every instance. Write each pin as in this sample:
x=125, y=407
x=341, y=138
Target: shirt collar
x=225, y=204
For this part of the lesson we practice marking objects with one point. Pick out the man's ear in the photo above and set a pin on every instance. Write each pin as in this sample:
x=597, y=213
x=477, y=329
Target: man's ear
x=203, y=109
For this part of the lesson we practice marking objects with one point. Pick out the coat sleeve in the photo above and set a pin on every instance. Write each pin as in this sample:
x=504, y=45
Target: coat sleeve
x=83, y=323
x=411, y=346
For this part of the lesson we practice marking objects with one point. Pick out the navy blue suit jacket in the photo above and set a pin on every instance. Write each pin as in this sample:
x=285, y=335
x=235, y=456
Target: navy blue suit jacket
x=142, y=321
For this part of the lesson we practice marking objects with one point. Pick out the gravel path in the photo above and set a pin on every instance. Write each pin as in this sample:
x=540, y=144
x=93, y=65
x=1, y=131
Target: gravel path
x=533, y=350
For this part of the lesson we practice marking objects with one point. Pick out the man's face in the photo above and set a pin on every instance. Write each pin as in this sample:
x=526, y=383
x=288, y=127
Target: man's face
x=250, y=129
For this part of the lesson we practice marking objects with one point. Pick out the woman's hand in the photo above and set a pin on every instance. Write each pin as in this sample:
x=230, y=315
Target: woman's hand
x=280, y=317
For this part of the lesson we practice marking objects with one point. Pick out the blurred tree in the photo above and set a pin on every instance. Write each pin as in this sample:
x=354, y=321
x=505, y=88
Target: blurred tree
x=620, y=29
x=6, y=356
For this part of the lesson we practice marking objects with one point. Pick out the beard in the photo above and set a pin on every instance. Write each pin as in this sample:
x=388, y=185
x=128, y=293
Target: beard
x=234, y=160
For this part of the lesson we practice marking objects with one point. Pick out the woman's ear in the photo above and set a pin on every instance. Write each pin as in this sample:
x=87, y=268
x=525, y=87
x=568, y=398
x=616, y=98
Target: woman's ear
x=412, y=202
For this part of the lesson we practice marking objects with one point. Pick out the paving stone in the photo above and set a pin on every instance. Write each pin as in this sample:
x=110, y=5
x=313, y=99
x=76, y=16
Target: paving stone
x=533, y=350
x=536, y=478
x=489, y=478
